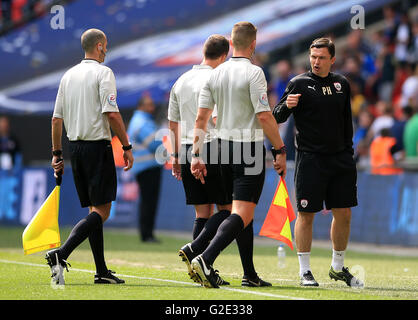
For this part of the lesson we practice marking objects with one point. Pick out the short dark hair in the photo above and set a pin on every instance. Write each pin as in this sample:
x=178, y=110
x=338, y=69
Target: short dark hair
x=324, y=43
x=90, y=38
x=215, y=46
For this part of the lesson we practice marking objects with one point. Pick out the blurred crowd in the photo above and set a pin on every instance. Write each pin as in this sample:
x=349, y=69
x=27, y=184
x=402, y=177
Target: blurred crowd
x=382, y=69
x=381, y=65
x=10, y=156
x=14, y=13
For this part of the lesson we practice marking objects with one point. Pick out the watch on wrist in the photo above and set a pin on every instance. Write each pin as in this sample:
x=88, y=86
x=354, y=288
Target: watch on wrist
x=126, y=148
x=275, y=152
x=195, y=155
x=175, y=155
x=57, y=153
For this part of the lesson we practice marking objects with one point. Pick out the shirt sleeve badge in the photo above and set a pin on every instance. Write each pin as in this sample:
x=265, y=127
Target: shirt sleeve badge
x=263, y=99
x=112, y=99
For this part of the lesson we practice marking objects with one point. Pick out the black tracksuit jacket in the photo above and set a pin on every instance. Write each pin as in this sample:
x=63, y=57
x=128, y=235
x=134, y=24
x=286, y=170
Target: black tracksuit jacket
x=323, y=115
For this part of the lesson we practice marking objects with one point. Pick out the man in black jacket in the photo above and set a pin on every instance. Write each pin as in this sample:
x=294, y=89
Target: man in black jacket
x=325, y=170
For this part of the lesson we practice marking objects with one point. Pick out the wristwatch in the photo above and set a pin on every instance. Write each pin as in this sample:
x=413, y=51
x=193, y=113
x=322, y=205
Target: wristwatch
x=57, y=153
x=126, y=148
x=275, y=152
x=175, y=154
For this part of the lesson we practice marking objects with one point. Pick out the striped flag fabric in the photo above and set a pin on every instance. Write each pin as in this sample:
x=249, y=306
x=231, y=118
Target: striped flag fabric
x=279, y=216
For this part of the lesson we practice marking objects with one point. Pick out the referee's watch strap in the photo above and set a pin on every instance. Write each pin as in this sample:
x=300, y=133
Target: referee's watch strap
x=126, y=148
x=57, y=153
x=275, y=152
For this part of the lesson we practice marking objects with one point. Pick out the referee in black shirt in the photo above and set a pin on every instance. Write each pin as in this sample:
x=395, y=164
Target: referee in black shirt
x=325, y=170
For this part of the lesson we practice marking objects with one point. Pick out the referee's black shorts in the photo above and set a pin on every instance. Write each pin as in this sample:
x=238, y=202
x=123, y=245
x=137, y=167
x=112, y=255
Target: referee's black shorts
x=213, y=191
x=323, y=178
x=243, y=169
x=94, y=171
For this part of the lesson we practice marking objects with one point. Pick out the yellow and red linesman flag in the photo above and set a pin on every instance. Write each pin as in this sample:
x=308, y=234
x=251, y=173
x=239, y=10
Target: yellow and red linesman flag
x=280, y=215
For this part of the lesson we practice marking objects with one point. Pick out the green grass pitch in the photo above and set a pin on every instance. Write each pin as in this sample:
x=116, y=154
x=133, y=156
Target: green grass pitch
x=155, y=272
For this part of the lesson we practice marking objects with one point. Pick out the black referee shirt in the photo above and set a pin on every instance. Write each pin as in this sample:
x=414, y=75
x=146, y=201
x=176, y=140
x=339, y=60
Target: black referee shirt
x=323, y=115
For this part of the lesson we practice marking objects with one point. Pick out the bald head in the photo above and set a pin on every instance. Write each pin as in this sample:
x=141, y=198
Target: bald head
x=90, y=38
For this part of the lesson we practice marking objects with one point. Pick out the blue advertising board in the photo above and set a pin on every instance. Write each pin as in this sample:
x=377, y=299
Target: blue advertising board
x=387, y=212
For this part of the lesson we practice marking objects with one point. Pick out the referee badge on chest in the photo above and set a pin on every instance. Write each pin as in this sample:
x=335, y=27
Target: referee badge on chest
x=112, y=99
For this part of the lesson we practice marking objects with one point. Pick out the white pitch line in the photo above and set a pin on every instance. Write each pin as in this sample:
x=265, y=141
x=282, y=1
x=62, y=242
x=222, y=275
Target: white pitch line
x=164, y=280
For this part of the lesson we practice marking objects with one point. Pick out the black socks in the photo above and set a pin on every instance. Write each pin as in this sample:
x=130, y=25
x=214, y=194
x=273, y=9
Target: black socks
x=209, y=230
x=91, y=225
x=229, y=229
x=245, y=242
x=198, y=226
x=96, y=245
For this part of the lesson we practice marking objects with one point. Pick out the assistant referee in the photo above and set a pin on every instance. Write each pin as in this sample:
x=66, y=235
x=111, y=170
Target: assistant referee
x=182, y=111
x=239, y=90
x=86, y=105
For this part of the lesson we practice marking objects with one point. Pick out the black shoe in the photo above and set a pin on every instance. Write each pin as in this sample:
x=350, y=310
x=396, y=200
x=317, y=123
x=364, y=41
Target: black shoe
x=57, y=266
x=255, y=282
x=187, y=256
x=347, y=277
x=220, y=281
x=108, y=278
x=207, y=276
x=308, y=280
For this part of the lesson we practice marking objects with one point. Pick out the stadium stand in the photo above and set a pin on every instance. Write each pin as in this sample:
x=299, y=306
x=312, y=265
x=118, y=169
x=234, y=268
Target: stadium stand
x=15, y=13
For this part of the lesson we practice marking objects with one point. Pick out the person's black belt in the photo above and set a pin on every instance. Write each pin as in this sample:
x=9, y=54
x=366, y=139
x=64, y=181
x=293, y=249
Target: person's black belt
x=85, y=142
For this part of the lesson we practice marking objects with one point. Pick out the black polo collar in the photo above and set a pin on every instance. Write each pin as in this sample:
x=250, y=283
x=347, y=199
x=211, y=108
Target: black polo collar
x=240, y=58
x=86, y=59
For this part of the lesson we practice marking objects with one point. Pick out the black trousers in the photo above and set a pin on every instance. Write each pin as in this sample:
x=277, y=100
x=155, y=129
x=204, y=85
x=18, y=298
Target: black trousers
x=149, y=184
